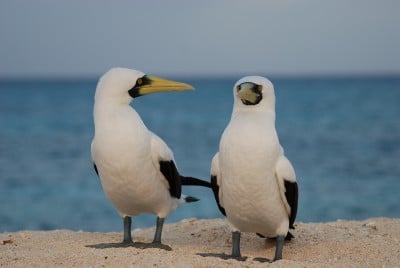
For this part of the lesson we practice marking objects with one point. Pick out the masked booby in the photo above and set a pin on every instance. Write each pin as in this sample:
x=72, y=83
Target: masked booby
x=254, y=184
x=136, y=168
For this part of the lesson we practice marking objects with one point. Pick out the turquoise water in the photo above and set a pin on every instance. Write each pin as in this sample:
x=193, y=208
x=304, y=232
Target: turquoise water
x=342, y=136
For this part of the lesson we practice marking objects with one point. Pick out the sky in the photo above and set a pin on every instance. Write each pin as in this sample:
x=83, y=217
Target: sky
x=84, y=38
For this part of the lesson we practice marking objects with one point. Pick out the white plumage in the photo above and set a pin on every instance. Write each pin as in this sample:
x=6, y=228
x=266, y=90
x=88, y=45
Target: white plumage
x=136, y=167
x=253, y=182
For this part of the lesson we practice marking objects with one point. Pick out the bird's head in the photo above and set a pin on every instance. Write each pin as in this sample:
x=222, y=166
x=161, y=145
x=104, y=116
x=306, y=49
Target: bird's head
x=122, y=85
x=254, y=92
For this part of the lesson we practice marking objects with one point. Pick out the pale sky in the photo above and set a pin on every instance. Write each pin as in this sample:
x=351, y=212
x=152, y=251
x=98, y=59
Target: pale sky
x=46, y=38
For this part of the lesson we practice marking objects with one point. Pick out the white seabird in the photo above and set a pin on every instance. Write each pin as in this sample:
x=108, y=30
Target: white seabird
x=253, y=182
x=136, y=168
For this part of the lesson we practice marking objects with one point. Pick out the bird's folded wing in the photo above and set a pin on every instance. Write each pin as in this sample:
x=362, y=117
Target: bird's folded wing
x=288, y=187
x=216, y=183
x=163, y=159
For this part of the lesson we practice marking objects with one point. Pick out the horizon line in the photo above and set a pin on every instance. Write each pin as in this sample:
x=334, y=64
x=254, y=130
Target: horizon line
x=203, y=76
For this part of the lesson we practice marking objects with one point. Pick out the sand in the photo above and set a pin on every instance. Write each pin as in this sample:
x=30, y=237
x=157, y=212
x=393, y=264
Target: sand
x=370, y=243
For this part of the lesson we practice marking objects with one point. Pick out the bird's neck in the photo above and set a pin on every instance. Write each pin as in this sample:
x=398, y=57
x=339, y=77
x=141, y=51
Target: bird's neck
x=110, y=114
x=267, y=116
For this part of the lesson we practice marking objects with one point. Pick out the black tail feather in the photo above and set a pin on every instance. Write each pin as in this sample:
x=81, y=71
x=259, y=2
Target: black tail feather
x=190, y=199
x=190, y=181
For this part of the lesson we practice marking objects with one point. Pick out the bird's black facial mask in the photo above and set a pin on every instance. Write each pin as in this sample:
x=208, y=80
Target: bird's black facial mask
x=249, y=93
x=140, y=82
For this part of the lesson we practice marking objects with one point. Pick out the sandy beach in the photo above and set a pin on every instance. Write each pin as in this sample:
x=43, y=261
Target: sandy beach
x=373, y=242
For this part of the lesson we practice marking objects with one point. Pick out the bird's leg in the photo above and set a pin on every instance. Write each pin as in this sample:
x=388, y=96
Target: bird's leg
x=159, y=227
x=157, y=237
x=127, y=230
x=280, y=240
x=235, y=250
x=128, y=237
x=236, y=245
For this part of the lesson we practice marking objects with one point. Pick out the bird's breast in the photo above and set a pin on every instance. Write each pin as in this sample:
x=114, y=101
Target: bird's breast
x=250, y=145
x=121, y=150
x=248, y=155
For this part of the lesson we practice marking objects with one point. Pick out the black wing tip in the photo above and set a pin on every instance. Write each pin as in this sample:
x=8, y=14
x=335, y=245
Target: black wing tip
x=292, y=196
x=215, y=189
x=168, y=169
x=191, y=199
x=190, y=181
x=95, y=169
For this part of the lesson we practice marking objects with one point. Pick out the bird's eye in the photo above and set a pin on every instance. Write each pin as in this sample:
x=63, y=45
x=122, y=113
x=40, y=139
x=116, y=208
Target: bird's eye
x=139, y=81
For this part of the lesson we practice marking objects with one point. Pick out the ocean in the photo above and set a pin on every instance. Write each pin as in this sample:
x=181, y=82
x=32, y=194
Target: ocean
x=342, y=136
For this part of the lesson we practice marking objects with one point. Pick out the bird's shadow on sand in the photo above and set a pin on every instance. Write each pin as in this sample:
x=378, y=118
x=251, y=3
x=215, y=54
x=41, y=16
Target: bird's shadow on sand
x=139, y=245
x=229, y=257
x=222, y=256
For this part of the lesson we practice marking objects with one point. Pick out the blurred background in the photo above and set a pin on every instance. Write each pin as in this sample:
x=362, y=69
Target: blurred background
x=335, y=67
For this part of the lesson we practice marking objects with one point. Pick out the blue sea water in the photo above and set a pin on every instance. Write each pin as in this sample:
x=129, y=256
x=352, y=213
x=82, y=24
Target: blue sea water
x=341, y=134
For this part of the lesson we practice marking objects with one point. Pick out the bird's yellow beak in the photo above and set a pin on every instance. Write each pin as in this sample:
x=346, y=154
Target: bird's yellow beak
x=153, y=84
